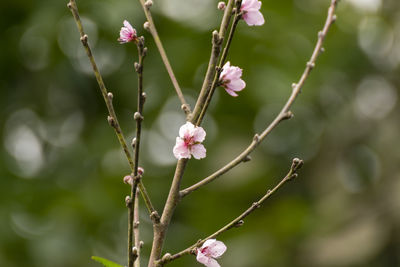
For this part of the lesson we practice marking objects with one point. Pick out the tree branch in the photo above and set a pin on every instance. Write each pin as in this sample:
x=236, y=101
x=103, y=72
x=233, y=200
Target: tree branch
x=284, y=114
x=150, y=26
x=133, y=227
x=217, y=41
x=238, y=221
x=237, y=17
x=112, y=118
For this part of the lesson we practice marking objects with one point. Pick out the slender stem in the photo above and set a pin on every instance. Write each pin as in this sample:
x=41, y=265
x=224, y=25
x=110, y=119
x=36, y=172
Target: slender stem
x=133, y=227
x=152, y=28
x=160, y=229
x=285, y=113
x=236, y=20
x=217, y=41
x=112, y=118
x=238, y=221
x=136, y=231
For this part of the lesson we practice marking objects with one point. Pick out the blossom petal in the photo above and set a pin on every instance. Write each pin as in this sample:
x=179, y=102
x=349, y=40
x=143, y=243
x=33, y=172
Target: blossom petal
x=202, y=258
x=129, y=26
x=199, y=134
x=198, y=151
x=186, y=130
x=231, y=92
x=236, y=85
x=253, y=18
x=215, y=248
x=250, y=4
x=181, y=150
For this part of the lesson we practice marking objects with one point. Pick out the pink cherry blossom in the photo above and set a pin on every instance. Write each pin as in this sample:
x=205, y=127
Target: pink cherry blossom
x=211, y=249
x=127, y=33
x=230, y=79
x=189, y=142
x=251, y=12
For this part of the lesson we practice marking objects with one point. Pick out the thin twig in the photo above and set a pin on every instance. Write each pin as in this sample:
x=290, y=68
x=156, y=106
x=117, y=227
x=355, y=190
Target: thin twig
x=238, y=221
x=133, y=227
x=237, y=17
x=136, y=231
x=112, y=118
x=152, y=28
x=217, y=41
x=284, y=114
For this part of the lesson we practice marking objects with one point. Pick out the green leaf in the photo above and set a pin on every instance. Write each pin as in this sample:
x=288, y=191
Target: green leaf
x=105, y=262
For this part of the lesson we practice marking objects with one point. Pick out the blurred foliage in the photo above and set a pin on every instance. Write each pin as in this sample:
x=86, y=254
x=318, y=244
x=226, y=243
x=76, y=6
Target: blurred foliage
x=61, y=190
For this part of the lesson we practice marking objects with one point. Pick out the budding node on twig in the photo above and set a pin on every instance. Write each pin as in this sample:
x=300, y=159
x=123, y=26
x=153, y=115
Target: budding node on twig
x=128, y=201
x=321, y=34
x=215, y=38
x=111, y=121
x=146, y=26
x=247, y=158
x=221, y=5
x=128, y=179
x=296, y=164
x=138, y=117
x=84, y=39
x=256, y=205
x=133, y=143
x=185, y=108
x=148, y=4
x=166, y=257
x=155, y=217
x=288, y=115
x=134, y=251
x=110, y=96
x=141, y=243
x=239, y=223
x=310, y=65
x=256, y=138
x=144, y=96
x=69, y=5
x=334, y=18
x=136, y=224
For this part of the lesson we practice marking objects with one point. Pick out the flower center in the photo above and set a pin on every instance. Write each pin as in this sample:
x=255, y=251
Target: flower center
x=189, y=141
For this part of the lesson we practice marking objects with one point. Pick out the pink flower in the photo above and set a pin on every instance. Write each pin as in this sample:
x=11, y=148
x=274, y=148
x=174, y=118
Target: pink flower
x=230, y=79
x=211, y=249
x=189, y=142
x=127, y=33
x=251, y=12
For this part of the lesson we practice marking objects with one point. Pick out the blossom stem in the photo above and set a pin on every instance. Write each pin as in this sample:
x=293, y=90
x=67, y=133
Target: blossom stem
x=152, y=28
x=236, y=20
x=238, y=221
x=133, y=223
x=217, y=41
x=108, y=100
x=285, y=112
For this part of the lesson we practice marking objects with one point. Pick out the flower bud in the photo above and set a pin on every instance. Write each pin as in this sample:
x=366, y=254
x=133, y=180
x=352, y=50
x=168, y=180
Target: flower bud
x=221, y=5
x=140, y=170
x=128, y=180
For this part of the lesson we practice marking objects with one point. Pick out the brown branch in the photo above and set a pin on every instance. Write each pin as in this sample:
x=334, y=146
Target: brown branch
x=284, y=114
x=217, y=41
x=133, y=207
x=237, y=17
x=150, y=26
x=112, y=118
x=238, y=221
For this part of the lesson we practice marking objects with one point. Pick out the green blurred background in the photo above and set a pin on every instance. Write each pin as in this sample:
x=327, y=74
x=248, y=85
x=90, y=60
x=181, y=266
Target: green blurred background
x=61, y=190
